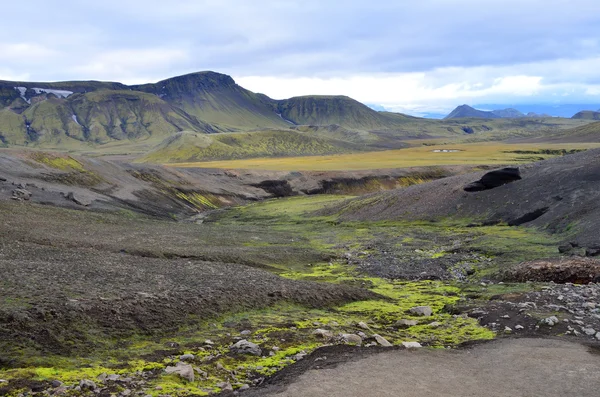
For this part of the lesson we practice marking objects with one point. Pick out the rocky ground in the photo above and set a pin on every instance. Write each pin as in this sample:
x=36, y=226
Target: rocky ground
x=111, y=300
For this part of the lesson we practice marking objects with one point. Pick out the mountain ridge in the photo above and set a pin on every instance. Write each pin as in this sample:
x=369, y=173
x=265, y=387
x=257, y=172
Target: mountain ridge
x=96, y=112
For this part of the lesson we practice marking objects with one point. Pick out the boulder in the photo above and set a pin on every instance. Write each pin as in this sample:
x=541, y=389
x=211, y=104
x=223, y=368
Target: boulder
x=406, y=323
x=185, y=371
x=422, y=311
x=494, y=179
x=245, y=347
x=382, y=341
x=2, y=179
x=351, y=339
x=86, y=384
x=411, y=345
x=323, y=333
x=78, y=199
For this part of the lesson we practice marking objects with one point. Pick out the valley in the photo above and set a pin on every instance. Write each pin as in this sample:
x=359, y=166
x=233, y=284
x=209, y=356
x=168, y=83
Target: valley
x=191, y=237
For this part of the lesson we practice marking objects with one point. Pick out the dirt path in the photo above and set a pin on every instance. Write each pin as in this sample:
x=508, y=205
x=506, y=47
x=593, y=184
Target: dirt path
x=511, y=367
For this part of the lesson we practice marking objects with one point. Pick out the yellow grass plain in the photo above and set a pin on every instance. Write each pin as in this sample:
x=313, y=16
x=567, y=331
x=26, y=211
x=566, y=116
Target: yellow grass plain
x=419, y=156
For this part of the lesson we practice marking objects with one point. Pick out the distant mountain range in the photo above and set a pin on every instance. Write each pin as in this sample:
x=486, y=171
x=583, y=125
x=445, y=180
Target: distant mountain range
x=466, y=111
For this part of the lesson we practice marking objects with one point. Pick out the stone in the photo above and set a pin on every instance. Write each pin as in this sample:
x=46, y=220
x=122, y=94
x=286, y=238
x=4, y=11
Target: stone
x=518, y=327
x=78, y=199
x=245, y=347
x=406, y=323
x=244, y=387
x=126, y=392
x=422, y=311
x=362, y=334
x=21, y=194
x=87, y=384
x=56, y=383
x=363, y=326
x=411, y=345
x=500, y=177
x=352, y=339
x=597, y=336
x=507, y=329
x=550, y=321
x=382, y=341
x=2, y=179
x=246, y=332
x=323, y=333
x=185, y=371
x=113, y=377
x=186, y=357
x=225, y=386
x=588, y=331
x=209, y=342
x=494, y=179
x=435, y=324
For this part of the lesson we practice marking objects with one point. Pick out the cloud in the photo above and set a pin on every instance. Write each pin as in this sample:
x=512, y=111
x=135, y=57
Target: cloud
x=127, y=64
x=394, y=52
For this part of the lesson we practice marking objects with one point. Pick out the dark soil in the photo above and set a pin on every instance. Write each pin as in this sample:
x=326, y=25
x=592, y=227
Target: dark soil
x=563, y=192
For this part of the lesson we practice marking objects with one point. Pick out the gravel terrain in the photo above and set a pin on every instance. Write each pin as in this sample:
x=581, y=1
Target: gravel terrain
x=506, y=368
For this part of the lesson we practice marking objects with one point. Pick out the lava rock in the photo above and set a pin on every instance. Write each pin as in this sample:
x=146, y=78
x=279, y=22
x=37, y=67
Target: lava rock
x=186, y=371
x=494, y=179
x=245, y=347
x=422, y=311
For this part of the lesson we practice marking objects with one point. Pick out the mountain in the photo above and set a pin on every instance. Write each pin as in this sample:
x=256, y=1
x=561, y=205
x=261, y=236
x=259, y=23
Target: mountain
x=74, y=113
x=545, y=110
x=339, y=110
x=466, y=111
x=508, y=113
x=587, y=115
x=215, y=98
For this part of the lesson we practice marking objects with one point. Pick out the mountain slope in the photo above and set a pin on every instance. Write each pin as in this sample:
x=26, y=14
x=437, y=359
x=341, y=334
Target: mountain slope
x=560, y=195
x=587, y=115
x=191, y=147
x=95, y=117
x=216, y=98
x=466, y=111
x=340, y=110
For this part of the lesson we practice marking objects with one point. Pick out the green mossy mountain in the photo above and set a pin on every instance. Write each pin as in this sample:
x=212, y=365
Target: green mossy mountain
x=192, y=147
x=71, y=114
x=215, y=98
x=339, y=110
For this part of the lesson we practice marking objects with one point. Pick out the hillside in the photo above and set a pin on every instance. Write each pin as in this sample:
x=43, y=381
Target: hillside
x=95, y=117
x=190, y=147
x=588, y=133
x=216, y=98
x=561, y=194
x=466, y=111
x=587, y=115
x=340, y=110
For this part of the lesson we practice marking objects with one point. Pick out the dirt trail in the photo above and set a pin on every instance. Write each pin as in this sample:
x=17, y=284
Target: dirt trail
x=510, y=367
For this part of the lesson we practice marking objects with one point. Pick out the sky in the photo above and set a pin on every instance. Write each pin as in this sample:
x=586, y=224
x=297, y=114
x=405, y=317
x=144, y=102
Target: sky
x=405, y=55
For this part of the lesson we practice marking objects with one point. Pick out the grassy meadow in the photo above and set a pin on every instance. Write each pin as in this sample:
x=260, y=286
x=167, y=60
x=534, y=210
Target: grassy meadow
x=426, y=155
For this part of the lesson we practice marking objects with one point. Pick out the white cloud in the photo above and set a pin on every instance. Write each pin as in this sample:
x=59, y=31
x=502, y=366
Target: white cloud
x=131, y=66
x=25, y=52
x=444, y=88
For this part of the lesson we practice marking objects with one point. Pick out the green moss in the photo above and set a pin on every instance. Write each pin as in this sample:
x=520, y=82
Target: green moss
x=60, y=162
